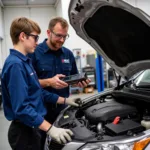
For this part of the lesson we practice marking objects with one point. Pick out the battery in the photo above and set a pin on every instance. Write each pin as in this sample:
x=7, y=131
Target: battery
x=123, y=127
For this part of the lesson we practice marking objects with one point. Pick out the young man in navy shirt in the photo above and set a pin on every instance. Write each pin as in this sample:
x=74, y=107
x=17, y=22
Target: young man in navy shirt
x=52, y=61
x=23, y=97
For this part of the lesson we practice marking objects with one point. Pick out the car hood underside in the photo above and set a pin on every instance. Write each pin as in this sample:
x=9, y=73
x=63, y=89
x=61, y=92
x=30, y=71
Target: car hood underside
x=119, y=32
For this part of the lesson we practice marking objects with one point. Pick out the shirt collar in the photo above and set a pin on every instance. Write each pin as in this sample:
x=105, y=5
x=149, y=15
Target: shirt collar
x=18, y=54
x=63, y=49
x=46, y=48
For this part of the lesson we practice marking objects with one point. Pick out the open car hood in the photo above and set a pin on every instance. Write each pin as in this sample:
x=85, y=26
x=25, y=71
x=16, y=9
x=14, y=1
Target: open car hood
x=119, y=32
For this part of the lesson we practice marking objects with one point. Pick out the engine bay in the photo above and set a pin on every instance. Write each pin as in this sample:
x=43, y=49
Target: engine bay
x=104, y=118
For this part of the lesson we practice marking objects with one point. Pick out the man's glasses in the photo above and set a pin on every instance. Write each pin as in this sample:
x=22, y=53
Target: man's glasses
x=59, y=36
x=36, y=37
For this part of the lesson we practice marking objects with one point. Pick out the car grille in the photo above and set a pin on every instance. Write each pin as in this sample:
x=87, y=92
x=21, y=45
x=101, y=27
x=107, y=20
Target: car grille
x=55, y=146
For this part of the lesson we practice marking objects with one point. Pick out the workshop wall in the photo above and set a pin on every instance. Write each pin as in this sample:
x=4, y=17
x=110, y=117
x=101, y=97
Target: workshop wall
x=58, y=7
x=1, y=37
x=0, y=53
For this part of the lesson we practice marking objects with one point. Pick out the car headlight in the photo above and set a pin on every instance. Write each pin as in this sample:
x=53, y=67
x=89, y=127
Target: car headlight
x=107, y=147
x=140, y=145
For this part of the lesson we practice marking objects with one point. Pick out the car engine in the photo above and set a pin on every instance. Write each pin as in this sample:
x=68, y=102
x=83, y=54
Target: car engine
x=102, y=119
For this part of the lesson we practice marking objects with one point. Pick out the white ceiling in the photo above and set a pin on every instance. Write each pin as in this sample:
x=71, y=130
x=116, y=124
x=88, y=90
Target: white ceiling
x=27, y=2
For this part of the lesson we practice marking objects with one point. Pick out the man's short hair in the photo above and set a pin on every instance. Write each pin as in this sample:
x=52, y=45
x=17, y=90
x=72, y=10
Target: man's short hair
x=22, y=24
x=56, y=20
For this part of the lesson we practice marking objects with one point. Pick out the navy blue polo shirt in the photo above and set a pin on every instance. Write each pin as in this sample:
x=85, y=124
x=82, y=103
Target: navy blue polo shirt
x=23, y=97
x=49, y=63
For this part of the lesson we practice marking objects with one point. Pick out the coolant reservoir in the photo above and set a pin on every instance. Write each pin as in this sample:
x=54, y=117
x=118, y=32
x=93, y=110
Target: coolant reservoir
x=146, y=122
x=109, y=98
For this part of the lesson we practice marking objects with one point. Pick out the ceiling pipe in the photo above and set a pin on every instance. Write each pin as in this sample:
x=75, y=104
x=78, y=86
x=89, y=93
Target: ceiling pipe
x=56, y=3
x=28, y=6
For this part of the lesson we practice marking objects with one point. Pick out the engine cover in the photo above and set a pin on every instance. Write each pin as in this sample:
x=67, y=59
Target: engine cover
x=108, y=111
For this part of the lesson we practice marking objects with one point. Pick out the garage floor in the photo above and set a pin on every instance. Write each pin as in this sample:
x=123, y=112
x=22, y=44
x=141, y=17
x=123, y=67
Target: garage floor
x=4, y=124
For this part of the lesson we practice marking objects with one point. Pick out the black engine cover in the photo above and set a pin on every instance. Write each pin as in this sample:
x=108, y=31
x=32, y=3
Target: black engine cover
x=123, y=127
x=108, y=111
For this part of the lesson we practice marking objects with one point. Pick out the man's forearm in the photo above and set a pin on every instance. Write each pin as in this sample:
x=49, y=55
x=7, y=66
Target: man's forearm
x=45, y=126
x=61, y=100
x=44, y=82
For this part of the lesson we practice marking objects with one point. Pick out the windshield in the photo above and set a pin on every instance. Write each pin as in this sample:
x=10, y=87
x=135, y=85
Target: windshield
x=143, y=80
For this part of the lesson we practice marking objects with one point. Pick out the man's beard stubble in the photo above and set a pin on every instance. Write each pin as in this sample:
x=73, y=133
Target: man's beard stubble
x=54, y=44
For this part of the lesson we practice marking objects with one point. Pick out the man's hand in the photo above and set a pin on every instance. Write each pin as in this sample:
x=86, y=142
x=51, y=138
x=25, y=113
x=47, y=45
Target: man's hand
x=62, y=136
x=57, y=83
x=73, y=102
x=84, y=83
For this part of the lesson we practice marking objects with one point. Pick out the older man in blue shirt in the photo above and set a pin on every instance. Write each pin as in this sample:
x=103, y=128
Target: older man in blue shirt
x=52, y=61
